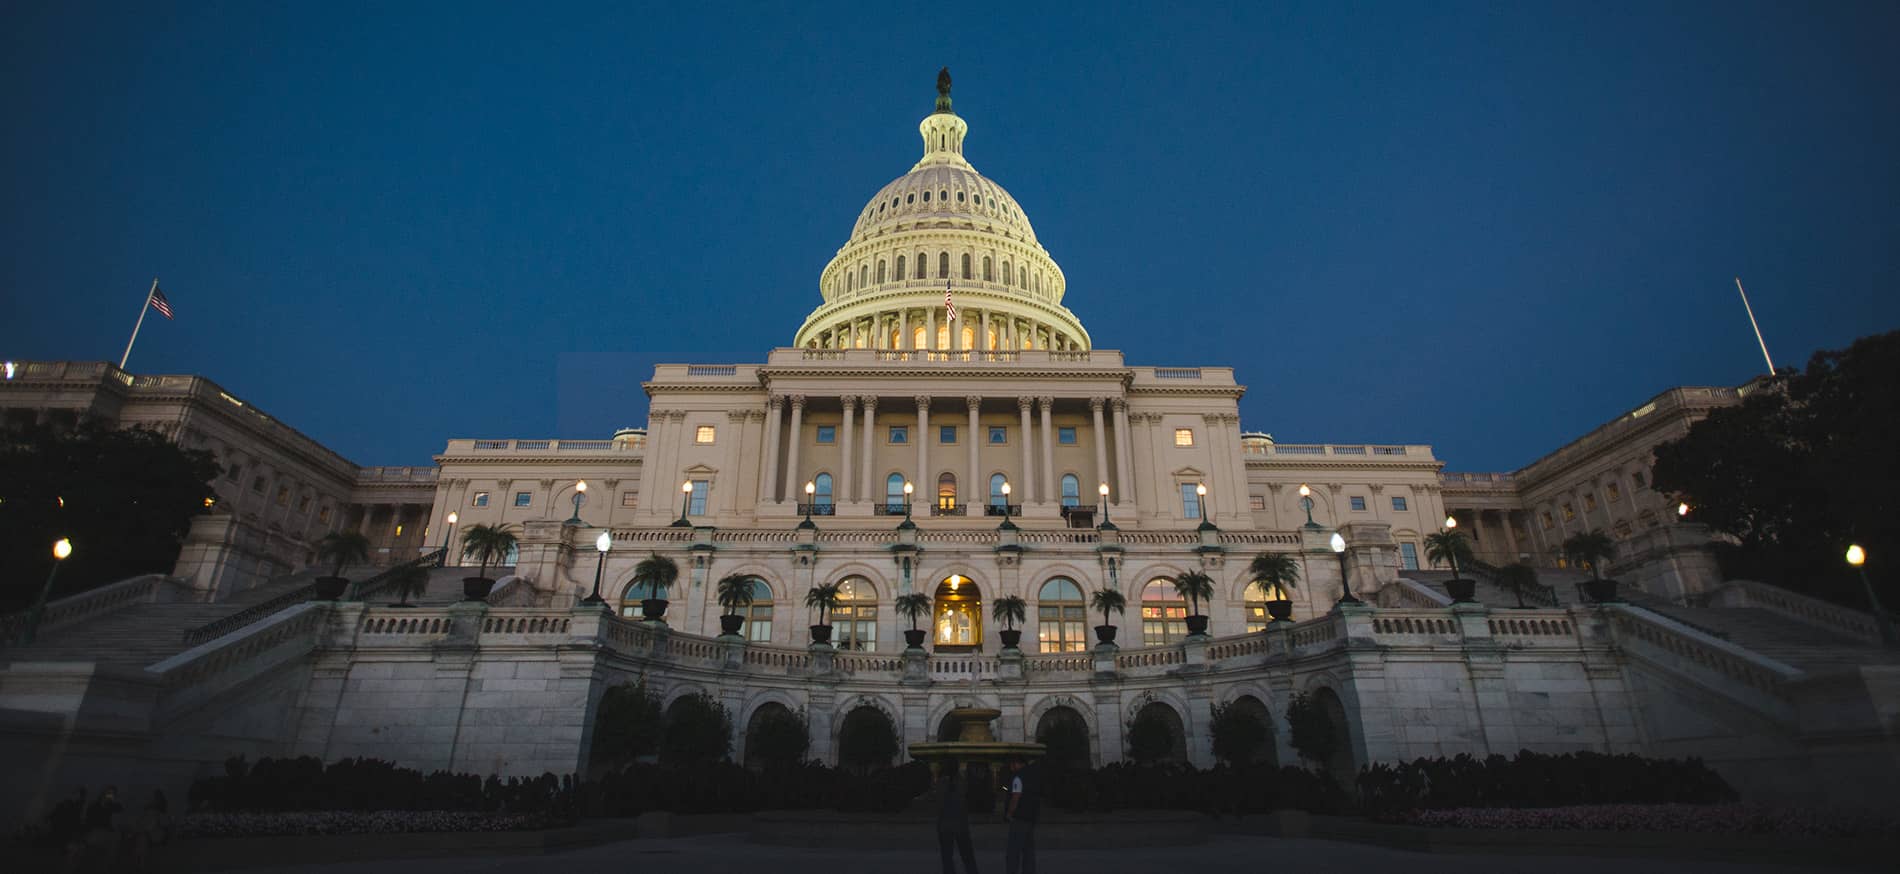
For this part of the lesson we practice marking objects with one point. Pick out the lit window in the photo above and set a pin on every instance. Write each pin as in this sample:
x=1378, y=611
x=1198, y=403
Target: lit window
x=758, y=615
x=1061, y=617
x=1614, y=491
x=1257, y=502
x=522, y=498
x=997, y=498
x=900, y=434
x=323, y=515
x=1065, y=435
x=1639, y=479
x=1589, y=502
x=1358, y=502
x=480, y=500
x=1544, y=517
x=303, y=504
x=999, y=435
x=1190, y=502
x=1569, y=514
x=1398, y=504
x=827, y=433
x=947, y=434
x=894, y=499
x=854, y=622
x=1408, y=555
x=703, y=434
x=629, y=499
x=1184, y=436
x=283, y=496
x=1071, y=490
x=1163, y=614
x=701, y=488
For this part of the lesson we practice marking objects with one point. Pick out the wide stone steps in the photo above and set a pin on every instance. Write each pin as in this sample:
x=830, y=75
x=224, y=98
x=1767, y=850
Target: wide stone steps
x=1765, y=632
x=142, y=634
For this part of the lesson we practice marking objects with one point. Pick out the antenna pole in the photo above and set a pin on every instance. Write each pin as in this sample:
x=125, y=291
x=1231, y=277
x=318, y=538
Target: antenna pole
x=1756, y=325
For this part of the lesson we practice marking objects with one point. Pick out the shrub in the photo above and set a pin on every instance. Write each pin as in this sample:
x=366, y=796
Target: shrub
x=306, y=784
x=779, y=738
x=1310, y=730
x=698, y=729
x=1238, y=734
x=867, y=739
x=1150, y=739
x=1067, y=745
x=1537, y=780
x=627, y=724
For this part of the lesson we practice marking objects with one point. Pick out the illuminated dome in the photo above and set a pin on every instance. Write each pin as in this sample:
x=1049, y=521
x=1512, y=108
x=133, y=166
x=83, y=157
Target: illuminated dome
x=942, y=225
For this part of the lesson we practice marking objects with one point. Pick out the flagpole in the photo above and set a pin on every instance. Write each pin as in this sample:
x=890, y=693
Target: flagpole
x=1753, y=324
x=143, y=308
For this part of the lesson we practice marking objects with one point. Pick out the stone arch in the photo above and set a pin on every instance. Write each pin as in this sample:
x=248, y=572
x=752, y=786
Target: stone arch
x=1255, y=706
x=939, y=714
x=750, y=724
x=1051, y=717
x=1347, y=739
x=675, y=692
x=1169, y=717
x=855, y=708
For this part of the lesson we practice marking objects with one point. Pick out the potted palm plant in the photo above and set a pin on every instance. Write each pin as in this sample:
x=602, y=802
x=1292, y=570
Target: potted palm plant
x=659, y=573
x=913, y=606
x=1196, y=587
x=1517, y=578
x=339, y=548
x=407, y=581
x=487, y=544
x=1108, y=601
x=1009, y=610
x=1591, y=548
x=1275, y=574
x=734, y=591
x=823, y=598
x=1452, y=547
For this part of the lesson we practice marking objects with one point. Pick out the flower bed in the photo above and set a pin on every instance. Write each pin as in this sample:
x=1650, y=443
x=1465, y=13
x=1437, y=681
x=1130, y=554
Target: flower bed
x=354, y=822
x=1705, y=818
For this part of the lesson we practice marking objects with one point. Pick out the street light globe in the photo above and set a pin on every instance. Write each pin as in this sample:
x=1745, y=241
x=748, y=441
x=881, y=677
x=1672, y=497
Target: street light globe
x=1451, y=521
x=811, y=486
x=604, y=542
x=686, y=487
x=64, y=547
x=1200, y=489
x=453, y=518
x=908, y=488
x=1005, y=488
x=1855, y=555
x=1682, y=509
x=1102, y=490
x=1339, y=543
x=1305, y=492
x=581, y=487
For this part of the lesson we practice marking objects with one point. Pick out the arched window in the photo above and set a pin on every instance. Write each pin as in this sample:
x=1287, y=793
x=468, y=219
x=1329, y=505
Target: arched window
x=899, y=272
x=1006, y=273
x=1061, y=617
x=894, y=494
x=989, y=269
x=966, y=265
x=922, y=261
x=880, y=270
x=630, y=599
x=997, y=498
x=864, y=275
x=947, y=492
x=943, y=265
x=1163, y=613
x=1256, y=602
x=821, y=494
x=854, y=623
x=848, y=278
x=1022, y=277
x=926, y=197
x=1071, y=490
x=1038, y=282
x=758, y=615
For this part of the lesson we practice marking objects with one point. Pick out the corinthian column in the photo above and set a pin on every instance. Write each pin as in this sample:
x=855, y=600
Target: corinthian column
x=1048, y=450
x=923, y=443
x=1125, y=476
x=844, y=440
x=1100, y=436
x=1025, y=483
x=768, y=484
x=791, y=454
x=870, y=445
x=975, y=476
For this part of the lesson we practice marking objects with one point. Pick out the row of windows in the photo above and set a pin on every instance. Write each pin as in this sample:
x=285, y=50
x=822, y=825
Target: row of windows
x=1358, y=503
x=259, y=484
x=943, y=196
x=1612, y=491
x=524, y=499
x=823, y=490
x=899, y=435
x=1012, y=275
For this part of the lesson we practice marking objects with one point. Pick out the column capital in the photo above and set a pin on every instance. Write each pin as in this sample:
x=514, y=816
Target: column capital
x=775, y=401
x=973, y=401
x=923, y=402
x=738, y=415
x=869, y=401
x=797, y=401
x=849, y=401
x=1121, y=404
x=1047, y=401
x=1025, y=402
x=1212, y=419
x=1097, y=403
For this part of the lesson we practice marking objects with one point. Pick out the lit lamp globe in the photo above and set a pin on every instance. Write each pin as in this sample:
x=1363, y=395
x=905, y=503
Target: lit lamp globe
x=62, y=548
x=1007, y=525
x=811, y=489
x=1682, y=509
x=1855, y=555
x=448, y=532
x=1451, y=521
x=908, y=490
x=1103, y=491
x=580, y=495
x=686, y=503
x=1306, y=503
x=1889, y=635
x=1338, y=544
x=603, y=543
x=1200, y=494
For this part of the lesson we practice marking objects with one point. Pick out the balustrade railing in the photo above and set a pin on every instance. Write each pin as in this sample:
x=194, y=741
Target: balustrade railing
x=242, y=618
x=1750, y=677
x=84, y=605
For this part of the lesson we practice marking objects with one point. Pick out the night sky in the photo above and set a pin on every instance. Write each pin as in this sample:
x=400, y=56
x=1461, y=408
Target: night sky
x=1487, y=228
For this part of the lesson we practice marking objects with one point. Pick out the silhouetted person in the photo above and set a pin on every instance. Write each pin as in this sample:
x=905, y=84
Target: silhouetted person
x=153, y=830
x=68, y=826
x=102, y=827
x=1025, y=807
x=953, y=821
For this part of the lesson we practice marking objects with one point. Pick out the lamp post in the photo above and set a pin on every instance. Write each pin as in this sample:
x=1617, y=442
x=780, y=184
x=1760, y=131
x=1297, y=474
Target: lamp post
x=1306, y=503
x=1345, y=586
x=686, y=503
x=1103, y=491
x=1200, y=494
x=448, y=533
x=61, y=549
x=1007, y=525
x=811, y=489
x=580, y=495
x=1451, y=524
x=603, y=543
x=1857, y=558
x=908, y=489
x=1682, y=510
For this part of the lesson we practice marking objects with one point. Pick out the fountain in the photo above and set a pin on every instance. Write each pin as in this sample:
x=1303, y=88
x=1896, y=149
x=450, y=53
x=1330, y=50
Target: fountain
x=975, y=742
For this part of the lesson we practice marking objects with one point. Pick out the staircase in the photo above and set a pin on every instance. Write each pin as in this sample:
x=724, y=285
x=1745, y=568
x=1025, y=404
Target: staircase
x=1811, y=648
x=141, y=634
x=1561, y=583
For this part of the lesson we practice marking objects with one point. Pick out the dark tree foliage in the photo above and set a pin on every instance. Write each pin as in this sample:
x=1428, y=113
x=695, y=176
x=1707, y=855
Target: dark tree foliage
x=1310, y=730
x=1237, y=733
x=698, y=730
x=1150, y=737
x=125, y=497
x=779, y=738
x=627, y=724
x=867, y=739
x=1067, y=743
x=1801, y=468
x=1535, y=780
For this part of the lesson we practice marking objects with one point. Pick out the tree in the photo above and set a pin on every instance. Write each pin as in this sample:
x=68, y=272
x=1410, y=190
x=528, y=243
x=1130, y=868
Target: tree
x=867, y=739
x=1009, y=610
x=823, y=598
x=340, y=548
x=407, y=580
x=126, y=499
x=1798, y=470
x=698, y=731
x=1066, y=742
x=1310, y=730
x=913, y=606
x=1450, y=547
x=1107, y=600
x=779, y=738
x=1150, y=738
x=1237, y=733
x=1195, y=587
x=1275, y=574
x=487, y=544
x=734, y=591
x=1590, y=548
x=658, y=572
x=1517, y=578
x=627, y=724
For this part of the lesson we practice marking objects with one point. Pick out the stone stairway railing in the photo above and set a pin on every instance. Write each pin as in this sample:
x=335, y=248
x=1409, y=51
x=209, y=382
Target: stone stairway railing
x=1709, y=661
x=257, y=612
x=85, y=605
x=204, y=672
x=1855, y=624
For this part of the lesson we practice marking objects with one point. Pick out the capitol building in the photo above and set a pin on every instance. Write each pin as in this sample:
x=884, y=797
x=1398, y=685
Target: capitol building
x=941, y=423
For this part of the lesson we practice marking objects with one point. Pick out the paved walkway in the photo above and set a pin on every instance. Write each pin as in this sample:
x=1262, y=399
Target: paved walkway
x=706, y=854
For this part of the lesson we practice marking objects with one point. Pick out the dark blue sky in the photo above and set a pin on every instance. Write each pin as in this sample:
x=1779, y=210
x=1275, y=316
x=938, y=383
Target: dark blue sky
x=1486, y=228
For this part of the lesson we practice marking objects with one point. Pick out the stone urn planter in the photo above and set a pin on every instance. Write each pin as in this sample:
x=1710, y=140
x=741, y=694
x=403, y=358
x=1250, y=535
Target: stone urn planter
x=1601, y=591
x=913, y=637
x=1011, y=637
x=654, y=608
x=730, y=623
x=1281, y=610
x=1104, y=634
x=1197, y=624
x=329, y=588
x=476, y=588
x=821, y=634
x=1462, y=590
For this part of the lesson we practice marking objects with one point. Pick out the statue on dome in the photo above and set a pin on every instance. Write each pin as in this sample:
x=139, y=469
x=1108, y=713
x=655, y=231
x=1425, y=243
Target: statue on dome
x=943, y=90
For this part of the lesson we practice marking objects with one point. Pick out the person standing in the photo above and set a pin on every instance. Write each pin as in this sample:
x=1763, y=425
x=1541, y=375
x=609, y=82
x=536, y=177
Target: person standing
x=1025, y=807
x=953, y=820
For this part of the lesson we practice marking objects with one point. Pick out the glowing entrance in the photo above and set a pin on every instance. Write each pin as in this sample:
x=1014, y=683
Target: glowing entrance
x=959, y=612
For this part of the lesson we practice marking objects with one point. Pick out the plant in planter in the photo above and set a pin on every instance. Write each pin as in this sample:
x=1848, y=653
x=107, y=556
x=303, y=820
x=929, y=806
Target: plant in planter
x=1108, y=601
x=1196, y=587
x=487, y=544
x=913, y=607
x=1452, y=547
x=1275, y=574
x=733, y=591
x=823, y=598
x=658, y=573
x=339, y=548
x=1591, y=548
x=407, y=581
x=1009, y=610
x=1517, y=578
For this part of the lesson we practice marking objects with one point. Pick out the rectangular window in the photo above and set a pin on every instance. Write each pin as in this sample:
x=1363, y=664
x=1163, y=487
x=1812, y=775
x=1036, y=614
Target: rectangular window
x=1639, y=479
x=701, y=488
x=480, y=500
x=303, y=504
x=236, y=471
x=522, y=498
x=1065, y=435
x=629, y=499
x=1184, y=436
x=1358, y=503
x=1614, y=491
x=1408, y=553
x=1569, y=514
x=947, y=434
x=1545, y=519
x=323, y=515
x=283, y=496
x=999, y=435
x=1398, y=504
x=703, y=434
x=257, y=485
x=827, y=433
x=1190, y=502
x=1257, y=502
x=1589, y=502
x=900, y=434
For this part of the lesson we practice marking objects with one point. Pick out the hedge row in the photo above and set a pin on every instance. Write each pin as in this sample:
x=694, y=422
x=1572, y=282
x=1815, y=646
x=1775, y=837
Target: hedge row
x=1537, y=780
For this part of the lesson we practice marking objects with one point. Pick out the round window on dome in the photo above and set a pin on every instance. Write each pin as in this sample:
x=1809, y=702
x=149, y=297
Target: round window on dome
x=926, y=197
x=978, y=198
x=910, y=198
x=943, y=195
x=959, y=197
x=893, y=203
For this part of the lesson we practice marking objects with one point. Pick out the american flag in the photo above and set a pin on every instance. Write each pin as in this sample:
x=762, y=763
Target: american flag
x=158, y=302
x=949, y=308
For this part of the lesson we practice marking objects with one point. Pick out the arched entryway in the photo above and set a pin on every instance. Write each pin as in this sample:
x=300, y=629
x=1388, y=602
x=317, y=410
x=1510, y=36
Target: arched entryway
x=867, y=739
x=1156, y=735
x=1066, y=734
x=958, y=622
x=1343, y=762
x=775, y=737
x=1234, y=745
